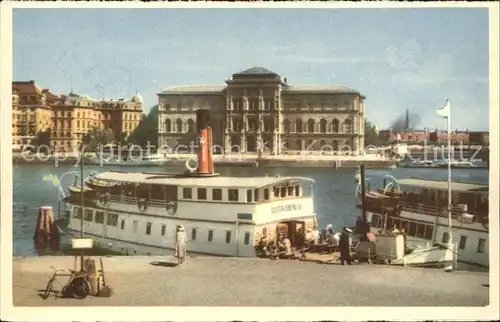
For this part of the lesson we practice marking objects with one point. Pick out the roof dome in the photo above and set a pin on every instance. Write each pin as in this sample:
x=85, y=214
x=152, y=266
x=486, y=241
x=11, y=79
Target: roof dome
x=256, y=71
x=137, y=98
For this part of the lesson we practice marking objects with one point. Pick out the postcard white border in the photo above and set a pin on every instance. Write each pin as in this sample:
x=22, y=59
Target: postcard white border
x=9, y=312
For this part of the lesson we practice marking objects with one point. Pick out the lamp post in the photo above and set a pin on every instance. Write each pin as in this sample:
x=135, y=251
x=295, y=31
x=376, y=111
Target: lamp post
x=82, y=153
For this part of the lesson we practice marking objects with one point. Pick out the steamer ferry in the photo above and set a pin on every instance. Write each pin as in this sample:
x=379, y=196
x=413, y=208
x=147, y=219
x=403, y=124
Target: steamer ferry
x=137, y=213
x=420, y=209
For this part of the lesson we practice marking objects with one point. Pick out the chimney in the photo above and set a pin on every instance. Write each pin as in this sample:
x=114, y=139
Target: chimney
x=205, y=150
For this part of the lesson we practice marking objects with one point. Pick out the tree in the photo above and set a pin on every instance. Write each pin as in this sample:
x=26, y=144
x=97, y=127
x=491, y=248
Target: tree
x=371, y=135
x=42, y=141
x=147, y=130
x=96, y=137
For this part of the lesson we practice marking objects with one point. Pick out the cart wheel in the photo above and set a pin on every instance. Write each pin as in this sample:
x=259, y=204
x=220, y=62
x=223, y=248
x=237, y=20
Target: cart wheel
x=48, y=289
x=79, y=288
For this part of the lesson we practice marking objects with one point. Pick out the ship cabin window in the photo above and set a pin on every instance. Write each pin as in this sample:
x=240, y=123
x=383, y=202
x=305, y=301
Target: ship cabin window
x=446, y=238
x=171, y=193
x=249, y=195
x=112, y=220
x=276, y=191
x=228, y=237
x=421, y=230
x=283, y=192
x=290, y=191
x=201, y=193
x=232, y=195
x=256, y=194
x=216, y=194
x=89, y=215
x=122, y=224
x=193, y=234
x=77, y=213
x=210, y=235
x=163, y=230
x=266, y=194
x=429, y=232
x=134, y=226
x=247, y=238
x=187, y=193
x=157, y=192
x=481, y=245
x=264, y=232
x=148, y=228
x=297, y=191
x=128, y=190
x=142, y=191
x=99, y=217
x=463, y=241
x=412, y=231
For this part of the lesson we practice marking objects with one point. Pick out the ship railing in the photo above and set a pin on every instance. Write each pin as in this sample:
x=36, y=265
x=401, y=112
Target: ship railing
x=438, y=211
x=134, y=200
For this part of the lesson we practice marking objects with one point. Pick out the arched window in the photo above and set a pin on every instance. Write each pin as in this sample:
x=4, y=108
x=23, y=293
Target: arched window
x=322, y=126
x=298, y=126
x=286, y=126
x=310, y=126
x=168, y=126
x=335, y=126
x=190, y=126
x=179, y=125
x=348, y=126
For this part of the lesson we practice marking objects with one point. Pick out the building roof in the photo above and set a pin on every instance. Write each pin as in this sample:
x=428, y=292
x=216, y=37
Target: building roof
x=193, y=89
x=256, y=71
x=26, y=88
x=218, y=181
x=443, y=185
x=321, y=89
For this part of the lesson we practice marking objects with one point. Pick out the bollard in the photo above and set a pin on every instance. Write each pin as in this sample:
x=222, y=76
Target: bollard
x=46, y=231
x=91, y=270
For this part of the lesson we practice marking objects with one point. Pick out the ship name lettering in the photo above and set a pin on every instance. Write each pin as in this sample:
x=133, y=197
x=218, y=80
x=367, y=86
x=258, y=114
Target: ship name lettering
x=290, y=207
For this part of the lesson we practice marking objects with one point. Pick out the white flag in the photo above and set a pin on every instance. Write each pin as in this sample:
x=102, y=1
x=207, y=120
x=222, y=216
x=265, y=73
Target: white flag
x=445, y=110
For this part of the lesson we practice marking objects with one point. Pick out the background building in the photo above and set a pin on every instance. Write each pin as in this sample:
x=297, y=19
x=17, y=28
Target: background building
x=258, y=111
x=67, y=118
x=30, y=112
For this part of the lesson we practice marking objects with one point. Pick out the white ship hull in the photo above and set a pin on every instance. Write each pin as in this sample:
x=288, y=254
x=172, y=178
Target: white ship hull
x=114, y=162
x=466, y=238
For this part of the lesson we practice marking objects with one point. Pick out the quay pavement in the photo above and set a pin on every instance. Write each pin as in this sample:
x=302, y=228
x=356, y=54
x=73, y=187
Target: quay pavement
x=212, y=281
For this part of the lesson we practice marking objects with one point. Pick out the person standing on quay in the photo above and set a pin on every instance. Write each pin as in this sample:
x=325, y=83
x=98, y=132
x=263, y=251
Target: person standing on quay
x=344, y=245
x=180, y=245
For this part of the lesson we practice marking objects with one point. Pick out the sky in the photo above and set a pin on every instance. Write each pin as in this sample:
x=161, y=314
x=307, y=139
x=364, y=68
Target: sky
x=398, y=58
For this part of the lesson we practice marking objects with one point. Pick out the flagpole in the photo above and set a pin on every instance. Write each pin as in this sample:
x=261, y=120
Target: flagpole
x=449, y=177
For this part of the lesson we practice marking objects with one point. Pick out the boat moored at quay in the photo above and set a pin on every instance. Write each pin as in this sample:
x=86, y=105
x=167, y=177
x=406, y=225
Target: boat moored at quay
x=137, y=213
x=419, y=210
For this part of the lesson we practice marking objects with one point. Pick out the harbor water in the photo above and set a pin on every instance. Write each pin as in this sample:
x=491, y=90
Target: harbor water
x=334, y=190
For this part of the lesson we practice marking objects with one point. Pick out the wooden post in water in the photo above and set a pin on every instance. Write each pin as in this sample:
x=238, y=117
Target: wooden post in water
x=363, y=204
x=46, y=232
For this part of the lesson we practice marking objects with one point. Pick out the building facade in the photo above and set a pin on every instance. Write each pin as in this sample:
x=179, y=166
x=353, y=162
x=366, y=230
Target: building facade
x=438, y=137
x=31, y=112
x=75, y=115
x=66, y=118
x=258, y=111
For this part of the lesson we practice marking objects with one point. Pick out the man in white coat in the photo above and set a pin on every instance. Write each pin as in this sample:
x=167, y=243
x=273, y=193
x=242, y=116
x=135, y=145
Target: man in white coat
x=180, y=245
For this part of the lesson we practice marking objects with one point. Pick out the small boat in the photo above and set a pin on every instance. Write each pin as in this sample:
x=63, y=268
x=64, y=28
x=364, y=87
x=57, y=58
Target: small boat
x=111, y=159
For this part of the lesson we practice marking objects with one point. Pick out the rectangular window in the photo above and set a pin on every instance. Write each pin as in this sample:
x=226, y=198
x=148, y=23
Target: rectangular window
x=373, y=222
x=463, y=241
x=429, y=232
x=99, y=217
x=112, y=220
x=247, y=238
x=148, y=228
x=413, y=229
x=193, y=234
x=276, y=192
x=134, y=226
x=283, y=192
x=187, y=193
x=445, y=238
x=266, y=194
x=210, y=235
x=202, y=194
x=89, y=215
x=157, y=192
x=228, y=237
x=264, y=232
x=256, y=194
x=216, y=194
x=481, y=245
x=290, y=191
x=232, y=195
x=249, y=195
x=122, y=224
x=77, y=213
x=163, y=230
x=421, y=230
x=297, y=191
